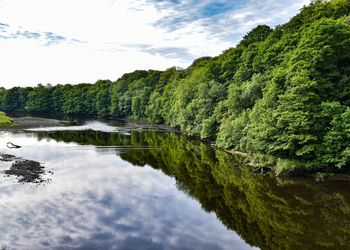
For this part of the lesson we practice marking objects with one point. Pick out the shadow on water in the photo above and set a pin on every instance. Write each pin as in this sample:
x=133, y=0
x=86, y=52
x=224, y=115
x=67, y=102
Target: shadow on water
x=267, y=212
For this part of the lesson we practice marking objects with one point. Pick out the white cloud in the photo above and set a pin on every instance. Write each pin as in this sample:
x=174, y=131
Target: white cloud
x=102, y=39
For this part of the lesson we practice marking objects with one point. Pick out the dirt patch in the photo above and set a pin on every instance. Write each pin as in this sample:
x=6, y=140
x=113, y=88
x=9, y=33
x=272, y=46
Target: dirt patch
x=37, y=122
x=131, y=125
x=27, y=171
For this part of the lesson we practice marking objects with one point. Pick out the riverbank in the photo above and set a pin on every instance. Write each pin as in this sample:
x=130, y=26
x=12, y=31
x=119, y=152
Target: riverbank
x=259, y=164
x=25, y=121
x=5, y=121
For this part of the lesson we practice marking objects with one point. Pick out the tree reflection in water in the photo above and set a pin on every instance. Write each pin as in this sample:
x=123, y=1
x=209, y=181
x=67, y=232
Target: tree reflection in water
x=267, y=212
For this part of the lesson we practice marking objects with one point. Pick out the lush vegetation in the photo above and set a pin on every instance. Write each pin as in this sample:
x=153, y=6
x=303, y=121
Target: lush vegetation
x=283, y=93
x=5, y=120
x=269, y=213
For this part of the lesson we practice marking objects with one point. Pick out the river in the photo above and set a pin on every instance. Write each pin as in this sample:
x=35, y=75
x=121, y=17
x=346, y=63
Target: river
x=108, y=188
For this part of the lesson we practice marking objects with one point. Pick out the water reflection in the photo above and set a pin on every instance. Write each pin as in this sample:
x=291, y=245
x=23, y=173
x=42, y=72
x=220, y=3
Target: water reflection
x=269, y=213
x=97, y=200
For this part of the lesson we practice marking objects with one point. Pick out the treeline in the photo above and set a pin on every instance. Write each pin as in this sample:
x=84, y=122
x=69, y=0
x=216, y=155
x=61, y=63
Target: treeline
x=282, y=92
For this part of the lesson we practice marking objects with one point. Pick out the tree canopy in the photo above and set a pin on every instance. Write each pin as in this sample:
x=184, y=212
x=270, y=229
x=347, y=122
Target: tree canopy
x=282, y=92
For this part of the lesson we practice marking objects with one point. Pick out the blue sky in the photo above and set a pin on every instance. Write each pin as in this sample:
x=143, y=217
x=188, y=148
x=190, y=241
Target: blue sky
x=74, y=41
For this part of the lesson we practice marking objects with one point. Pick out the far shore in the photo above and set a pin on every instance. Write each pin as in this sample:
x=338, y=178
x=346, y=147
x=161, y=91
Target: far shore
x=257, y=164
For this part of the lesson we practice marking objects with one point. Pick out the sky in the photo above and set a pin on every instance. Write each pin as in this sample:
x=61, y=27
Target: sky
x=82, y=41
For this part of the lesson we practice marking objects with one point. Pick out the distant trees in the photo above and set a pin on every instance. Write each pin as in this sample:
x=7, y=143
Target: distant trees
x=282, y=92
x=15, y=98
x=40, y=99
x=103, y=98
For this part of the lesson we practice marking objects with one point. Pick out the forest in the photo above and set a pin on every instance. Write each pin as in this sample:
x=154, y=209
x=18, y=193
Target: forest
x=282, y=94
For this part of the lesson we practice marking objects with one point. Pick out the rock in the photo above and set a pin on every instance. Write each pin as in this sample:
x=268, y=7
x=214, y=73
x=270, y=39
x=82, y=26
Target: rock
x=27, y=171
x=6, y=157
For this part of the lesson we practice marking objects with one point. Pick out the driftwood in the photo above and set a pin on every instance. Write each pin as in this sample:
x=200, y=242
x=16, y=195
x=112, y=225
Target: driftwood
x=11, y=145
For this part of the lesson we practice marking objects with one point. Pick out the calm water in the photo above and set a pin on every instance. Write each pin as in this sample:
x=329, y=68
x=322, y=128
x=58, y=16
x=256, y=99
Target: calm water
x=159, y=190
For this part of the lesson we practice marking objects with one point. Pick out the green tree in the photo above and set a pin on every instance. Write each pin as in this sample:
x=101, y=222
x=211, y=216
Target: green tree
x=40, y=99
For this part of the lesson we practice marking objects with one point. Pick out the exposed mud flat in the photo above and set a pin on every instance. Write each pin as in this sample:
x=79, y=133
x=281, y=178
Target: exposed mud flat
x=35, y=122
x=131, y=125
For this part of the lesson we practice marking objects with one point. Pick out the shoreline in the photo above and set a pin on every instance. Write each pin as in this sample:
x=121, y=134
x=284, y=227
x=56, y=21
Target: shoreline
x=258, y=166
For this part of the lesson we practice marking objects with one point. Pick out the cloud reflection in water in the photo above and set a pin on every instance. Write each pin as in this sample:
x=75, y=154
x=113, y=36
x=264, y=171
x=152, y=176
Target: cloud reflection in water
x=98, y=201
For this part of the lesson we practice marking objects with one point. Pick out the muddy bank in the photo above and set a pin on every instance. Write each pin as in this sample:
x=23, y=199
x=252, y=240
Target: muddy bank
x=121, y=125
x=37, y=122
x=130, y=125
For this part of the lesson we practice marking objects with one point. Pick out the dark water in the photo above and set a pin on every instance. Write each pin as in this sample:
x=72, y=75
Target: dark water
x=159, y=190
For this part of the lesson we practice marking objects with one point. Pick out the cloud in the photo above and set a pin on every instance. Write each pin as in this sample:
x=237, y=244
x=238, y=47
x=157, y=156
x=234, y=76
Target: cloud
x=64, y=41
x=3, y=25
x=53, y=38
x=226, y=20
x=45, y=38
x=180, y=13
x=167, y=52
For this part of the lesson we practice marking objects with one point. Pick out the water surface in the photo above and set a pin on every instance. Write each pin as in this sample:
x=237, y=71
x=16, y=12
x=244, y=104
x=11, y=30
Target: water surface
x=159, y=190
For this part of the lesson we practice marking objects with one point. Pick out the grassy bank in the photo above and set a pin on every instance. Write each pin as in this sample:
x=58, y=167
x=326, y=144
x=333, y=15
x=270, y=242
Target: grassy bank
x=5, y=121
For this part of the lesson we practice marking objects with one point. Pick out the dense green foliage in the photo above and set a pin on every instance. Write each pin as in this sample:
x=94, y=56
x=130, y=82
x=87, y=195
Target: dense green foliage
x=267, y=212
x=282, y=92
